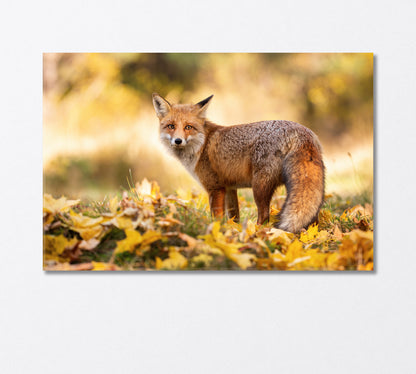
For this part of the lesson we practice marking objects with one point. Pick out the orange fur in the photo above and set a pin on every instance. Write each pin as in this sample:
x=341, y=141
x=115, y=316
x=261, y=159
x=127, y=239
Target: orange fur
x=261, y=155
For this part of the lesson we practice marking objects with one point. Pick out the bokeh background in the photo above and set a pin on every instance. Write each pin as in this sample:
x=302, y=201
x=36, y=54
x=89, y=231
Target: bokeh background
x=99, y=123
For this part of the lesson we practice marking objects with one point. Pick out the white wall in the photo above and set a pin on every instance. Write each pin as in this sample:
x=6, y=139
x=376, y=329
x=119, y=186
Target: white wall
x=206, y=322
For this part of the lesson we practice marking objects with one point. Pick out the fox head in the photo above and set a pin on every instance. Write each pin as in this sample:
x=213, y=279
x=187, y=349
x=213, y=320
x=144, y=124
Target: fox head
x=181, y=125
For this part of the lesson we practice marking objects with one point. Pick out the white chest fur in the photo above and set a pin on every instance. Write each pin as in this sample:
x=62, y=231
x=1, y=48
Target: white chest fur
x=189, y=153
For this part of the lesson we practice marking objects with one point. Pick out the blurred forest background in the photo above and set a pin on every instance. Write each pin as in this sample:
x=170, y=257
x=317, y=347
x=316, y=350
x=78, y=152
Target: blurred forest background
x=99, y=122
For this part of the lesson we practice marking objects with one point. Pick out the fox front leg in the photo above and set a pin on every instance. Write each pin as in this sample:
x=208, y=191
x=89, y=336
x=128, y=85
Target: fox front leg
x=231, y=204
x=217, y=202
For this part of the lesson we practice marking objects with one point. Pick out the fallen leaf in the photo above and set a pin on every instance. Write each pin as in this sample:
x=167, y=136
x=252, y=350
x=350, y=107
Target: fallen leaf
x=54, y=206
x=231, y=250
x=203, y=259
x=337, y=233
x=129, y=244
x=277, y=236
x=125, y=223
x=58, y=244
x=148, y=238
x=169, y=221
x=81, y=221
x=294, y=251
x=102, y=266
x=67, y=267
x=192, y=242
x=113, y=205
x=310, y=234
x=88, y=245
x=55, y=246
x=176, y=261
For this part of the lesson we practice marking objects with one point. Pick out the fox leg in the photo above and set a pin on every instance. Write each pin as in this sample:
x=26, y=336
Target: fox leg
x=231, y=204
x=217, y=202
x=263, y=189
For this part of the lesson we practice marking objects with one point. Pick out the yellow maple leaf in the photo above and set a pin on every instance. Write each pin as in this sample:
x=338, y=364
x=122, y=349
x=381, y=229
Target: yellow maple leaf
x=260, y=242
x=54, y=247
x=294, y=251
x=243, y=260
x=58, y=243
x=47, y=220
x=251, y=227
x=86, y=226
x=89, y=232
x=202, y=258
x=176, y=261
x=347, y=249
x=316, y=260
x=79, y=220
x=231, y=250
x=278, y=236
x=368, y=267
x=103, y=266
x=216, y=230
x=144, y=188
x=310, y=234
x=332, y=261
x=148, y=189
x=159, y=263
x=356, y=249
x=276, y=260
x=325, y=216
x=322, y=236
x=230, y=222
x=113, y=205
x=148, y=238
x=129, y=244
x=274, y=211
x=54, y=206
x=354, y=241
x=248, y=229
x=124, y=223
x=299, y=263
x=364, y=237
x=204, y=247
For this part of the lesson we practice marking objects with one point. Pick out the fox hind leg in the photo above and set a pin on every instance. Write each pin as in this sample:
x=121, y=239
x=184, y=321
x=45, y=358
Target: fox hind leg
x=263, y=189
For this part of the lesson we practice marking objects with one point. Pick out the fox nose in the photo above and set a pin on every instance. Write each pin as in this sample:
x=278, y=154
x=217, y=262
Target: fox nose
x=178, y=141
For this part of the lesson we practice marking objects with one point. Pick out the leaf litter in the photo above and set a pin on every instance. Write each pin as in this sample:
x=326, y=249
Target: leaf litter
x=145, y=230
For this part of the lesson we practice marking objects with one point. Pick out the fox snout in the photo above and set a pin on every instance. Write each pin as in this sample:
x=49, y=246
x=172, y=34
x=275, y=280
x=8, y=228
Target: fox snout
x=174, y=141
x=178, y=142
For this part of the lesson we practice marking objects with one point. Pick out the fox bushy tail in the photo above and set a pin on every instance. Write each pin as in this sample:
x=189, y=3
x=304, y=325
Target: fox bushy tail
x=304, y=177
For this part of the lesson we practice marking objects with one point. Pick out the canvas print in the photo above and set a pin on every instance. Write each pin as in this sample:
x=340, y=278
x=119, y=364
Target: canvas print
x=208, y=161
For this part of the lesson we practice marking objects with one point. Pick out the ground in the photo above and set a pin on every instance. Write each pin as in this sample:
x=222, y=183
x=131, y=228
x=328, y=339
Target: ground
x=141, y=229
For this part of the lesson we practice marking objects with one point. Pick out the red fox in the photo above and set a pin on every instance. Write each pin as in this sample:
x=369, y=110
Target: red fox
x=260, y=155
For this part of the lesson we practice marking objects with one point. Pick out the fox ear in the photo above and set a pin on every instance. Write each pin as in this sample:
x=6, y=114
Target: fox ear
x=162, y=106
x=203, y=105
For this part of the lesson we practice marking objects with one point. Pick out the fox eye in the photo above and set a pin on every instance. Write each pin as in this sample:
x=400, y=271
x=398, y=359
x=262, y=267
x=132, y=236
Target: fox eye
x=188, y=127
x=170, y=126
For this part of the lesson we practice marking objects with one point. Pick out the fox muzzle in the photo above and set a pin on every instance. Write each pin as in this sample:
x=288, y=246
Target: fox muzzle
x=178, y=142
